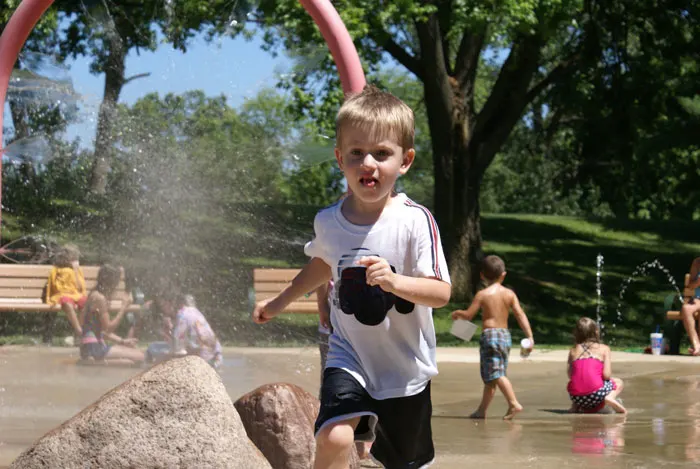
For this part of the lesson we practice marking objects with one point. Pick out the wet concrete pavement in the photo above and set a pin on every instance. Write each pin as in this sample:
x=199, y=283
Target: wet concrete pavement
x=41, y=387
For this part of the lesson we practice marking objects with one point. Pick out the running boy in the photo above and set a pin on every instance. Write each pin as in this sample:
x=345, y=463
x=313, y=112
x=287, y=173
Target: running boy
x=384, y=255
x=496, y=302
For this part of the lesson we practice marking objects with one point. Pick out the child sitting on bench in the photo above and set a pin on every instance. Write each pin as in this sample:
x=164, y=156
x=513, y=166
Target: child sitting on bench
x=66, y=287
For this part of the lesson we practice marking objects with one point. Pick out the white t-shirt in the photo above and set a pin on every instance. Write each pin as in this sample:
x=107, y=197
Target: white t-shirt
x=385, y=342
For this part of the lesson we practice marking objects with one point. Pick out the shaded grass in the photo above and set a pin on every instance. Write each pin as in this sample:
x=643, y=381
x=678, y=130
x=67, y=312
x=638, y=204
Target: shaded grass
x=551, y=264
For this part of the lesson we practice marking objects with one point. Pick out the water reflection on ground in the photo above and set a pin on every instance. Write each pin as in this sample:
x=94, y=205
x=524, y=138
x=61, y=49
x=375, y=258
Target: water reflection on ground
x=40, y=388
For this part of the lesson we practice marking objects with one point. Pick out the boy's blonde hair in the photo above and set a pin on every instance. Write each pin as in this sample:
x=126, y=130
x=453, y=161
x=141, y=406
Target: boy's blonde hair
x=378, y=113
x=586, y=330
x=492, y=267
x=66, y=255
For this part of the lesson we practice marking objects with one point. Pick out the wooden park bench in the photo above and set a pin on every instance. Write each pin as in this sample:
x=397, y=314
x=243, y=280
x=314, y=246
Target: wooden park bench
x=687, y=293
x=269, y=282
x=22, y=288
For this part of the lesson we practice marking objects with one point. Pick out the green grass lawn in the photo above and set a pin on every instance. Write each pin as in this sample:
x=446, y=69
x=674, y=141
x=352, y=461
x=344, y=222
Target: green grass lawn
x=551, y=263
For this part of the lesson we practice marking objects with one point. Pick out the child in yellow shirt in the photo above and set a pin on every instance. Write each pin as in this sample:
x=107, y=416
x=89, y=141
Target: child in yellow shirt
x=66, y=285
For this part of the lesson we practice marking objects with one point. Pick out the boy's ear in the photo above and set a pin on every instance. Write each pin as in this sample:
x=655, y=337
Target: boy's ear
x=503, y=275
x=408, y=157
x=338, y=158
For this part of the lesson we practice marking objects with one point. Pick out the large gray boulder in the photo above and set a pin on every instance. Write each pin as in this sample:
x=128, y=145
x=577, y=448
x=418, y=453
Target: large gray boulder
x=175, y=415
x=279, y=419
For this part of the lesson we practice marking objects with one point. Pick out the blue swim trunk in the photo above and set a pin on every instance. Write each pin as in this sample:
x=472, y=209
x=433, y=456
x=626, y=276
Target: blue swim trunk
x=494, y=348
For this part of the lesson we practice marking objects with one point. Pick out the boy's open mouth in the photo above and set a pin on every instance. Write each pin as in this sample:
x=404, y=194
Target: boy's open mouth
x=368, y=181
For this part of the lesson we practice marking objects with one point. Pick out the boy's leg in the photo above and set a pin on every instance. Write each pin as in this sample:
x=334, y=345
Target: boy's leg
x=404, y=435
x=486, y=398
x=494, y=351
x=334, y=443
x=347, y=412
x=506, y=388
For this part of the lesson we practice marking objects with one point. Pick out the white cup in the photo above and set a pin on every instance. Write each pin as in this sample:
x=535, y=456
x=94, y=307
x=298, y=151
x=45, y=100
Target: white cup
x=657, y=339
x=525, y=347
x=463, y=329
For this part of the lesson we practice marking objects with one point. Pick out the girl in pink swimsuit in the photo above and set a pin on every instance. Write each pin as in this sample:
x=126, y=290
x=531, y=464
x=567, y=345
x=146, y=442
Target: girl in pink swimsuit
x=591, y=386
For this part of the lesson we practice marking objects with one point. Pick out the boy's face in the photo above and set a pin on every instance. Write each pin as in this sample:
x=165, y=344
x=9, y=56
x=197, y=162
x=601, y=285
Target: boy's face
x=371, y=164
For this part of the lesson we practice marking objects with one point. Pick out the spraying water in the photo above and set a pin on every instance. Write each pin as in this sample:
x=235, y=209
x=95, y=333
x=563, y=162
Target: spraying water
x=599, y=307
x=642, y=270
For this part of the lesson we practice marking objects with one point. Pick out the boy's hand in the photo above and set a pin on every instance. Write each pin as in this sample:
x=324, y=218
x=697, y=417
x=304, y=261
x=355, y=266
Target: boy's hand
x=379, y=273
x=263, y=313
x=458, y=314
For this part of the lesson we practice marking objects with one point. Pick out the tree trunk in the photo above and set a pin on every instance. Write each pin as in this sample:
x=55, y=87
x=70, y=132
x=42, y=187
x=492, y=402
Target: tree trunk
x=114, y=82
x=466, y=254
x=465, y=142
x=19, y=120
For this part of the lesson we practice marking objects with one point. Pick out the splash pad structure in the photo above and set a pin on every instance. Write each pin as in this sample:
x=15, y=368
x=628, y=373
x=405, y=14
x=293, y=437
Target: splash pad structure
x=323, y=13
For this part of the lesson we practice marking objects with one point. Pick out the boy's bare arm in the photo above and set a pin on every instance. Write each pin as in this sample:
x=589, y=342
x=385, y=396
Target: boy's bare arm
x=568, y=364
x=522, y=318
x=470, y=312
x=428, y=291
x=312, y=276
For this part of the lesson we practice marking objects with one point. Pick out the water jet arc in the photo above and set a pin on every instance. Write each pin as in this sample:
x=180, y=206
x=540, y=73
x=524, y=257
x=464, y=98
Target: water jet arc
x=324, y=14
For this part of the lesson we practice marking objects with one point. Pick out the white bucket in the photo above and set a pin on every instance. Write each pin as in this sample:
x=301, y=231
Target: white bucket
x=463, y=329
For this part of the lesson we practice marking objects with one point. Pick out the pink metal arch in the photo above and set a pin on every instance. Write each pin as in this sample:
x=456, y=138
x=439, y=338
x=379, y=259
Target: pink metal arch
x=332, y=28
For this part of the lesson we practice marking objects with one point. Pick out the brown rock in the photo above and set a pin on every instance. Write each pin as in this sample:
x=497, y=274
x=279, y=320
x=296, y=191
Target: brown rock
x=175, y=415
x=279, y=419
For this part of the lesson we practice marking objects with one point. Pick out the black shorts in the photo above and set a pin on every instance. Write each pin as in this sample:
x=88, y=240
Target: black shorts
x=400, y=427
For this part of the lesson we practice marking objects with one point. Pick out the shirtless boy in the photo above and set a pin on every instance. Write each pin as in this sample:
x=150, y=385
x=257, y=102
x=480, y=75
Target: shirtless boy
x=496, y=302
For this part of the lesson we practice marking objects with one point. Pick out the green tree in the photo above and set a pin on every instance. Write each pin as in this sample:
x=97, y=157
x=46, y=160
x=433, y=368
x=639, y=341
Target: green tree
x=529, y=45
x=106, y=31
x=632, y=137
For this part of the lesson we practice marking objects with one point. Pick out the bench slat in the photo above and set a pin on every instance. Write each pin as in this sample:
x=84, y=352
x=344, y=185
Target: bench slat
x=22, y=287
x=25, y=292
x=259, y=296
x=269, y=282
x=32, y=305
x=673, y=315
x=21, y=292
x=274, y=275
x=270, y=286
x=29, y=282
x=298, y=307
x=39, y=271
